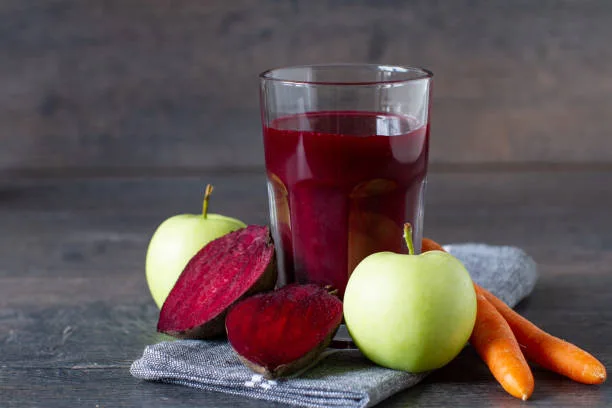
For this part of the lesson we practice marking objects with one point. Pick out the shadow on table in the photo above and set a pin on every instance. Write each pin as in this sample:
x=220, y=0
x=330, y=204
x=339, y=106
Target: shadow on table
x=9, y=193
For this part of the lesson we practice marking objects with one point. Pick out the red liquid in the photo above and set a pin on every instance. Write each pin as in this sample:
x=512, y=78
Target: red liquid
x=341, y=186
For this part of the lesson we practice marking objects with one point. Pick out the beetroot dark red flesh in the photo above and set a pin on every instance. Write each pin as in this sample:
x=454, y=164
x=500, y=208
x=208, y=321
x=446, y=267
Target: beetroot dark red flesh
x=281, y=332
x=226, y=270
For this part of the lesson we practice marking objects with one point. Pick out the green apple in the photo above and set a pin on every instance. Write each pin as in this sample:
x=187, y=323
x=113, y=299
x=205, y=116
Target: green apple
x=410, y=312
x=177, y=240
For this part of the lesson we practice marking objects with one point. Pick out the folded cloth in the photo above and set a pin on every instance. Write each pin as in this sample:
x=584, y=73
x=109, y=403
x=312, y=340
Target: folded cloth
x=342, y=378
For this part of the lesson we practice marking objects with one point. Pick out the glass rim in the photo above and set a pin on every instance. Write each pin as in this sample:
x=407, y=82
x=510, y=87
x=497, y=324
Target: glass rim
x=422, y=73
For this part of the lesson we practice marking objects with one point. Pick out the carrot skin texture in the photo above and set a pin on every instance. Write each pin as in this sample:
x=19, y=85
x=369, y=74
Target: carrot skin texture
x=539, y=346
x=493, y=340
x=547, y=350
x=495, y=343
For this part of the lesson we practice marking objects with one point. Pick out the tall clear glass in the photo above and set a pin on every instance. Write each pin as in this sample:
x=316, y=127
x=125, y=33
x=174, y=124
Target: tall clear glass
x=346, y=149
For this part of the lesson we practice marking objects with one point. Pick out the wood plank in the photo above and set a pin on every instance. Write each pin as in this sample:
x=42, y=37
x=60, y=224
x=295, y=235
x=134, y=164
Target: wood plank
x=75, y=311
x=100, y=334
x=137, y=83
x=465, y=381
x=89, y=362
x=100, y=228
x=104, y=388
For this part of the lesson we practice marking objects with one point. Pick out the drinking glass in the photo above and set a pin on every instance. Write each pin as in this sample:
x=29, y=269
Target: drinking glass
x=346, y=151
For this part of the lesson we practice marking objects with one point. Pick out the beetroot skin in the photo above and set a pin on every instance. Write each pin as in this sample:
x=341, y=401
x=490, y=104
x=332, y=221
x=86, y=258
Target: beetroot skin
x=278, y=333
x=226, y=270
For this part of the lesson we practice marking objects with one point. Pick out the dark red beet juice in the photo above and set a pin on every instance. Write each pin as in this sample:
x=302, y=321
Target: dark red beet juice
x=342, y=184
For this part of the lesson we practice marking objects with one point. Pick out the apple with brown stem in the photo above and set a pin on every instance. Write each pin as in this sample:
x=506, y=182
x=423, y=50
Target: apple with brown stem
x=177, y=240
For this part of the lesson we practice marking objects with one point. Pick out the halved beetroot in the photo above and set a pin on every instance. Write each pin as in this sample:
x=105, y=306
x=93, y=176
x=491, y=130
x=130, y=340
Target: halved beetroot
x=226, y=270
x=278, y=333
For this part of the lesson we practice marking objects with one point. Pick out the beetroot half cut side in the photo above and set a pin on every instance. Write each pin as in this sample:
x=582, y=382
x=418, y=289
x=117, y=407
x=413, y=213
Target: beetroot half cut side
x=279, y=333
x=226, y=270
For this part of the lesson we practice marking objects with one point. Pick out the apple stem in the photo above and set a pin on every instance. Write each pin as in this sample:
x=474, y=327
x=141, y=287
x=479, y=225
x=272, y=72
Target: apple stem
x=408, y=238
x=207, y=193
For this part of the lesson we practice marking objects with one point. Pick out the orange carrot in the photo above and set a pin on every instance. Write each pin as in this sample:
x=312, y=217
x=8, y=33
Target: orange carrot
x=430, y=245
x=495, y=343
x=493, y=340
x=543, y=348
x=549, y=351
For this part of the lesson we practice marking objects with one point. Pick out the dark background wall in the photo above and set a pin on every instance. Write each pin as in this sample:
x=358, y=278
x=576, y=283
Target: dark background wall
x=151, y=85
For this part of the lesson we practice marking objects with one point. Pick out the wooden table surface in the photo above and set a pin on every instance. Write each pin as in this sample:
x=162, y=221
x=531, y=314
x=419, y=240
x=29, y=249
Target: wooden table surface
x=75, y=310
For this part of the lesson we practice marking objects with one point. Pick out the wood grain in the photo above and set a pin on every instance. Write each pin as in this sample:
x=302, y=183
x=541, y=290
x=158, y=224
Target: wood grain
x=112, y=84
x=75, y=310
x=77, y=226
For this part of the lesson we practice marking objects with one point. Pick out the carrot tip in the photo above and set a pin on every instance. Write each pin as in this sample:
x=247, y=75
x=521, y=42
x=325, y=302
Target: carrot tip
x=525, y=397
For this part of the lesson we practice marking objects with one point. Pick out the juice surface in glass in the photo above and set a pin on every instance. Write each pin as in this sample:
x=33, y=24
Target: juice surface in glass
x=341, y=186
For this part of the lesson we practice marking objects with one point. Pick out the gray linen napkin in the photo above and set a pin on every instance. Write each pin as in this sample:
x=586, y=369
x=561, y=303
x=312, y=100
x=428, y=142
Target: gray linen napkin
x=342, y=378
